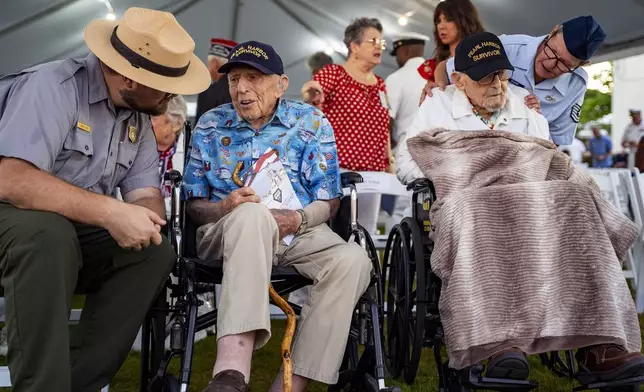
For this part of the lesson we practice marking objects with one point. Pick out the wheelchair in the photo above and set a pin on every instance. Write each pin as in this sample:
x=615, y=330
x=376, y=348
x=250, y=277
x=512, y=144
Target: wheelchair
x=413, y=321
x=363, y=367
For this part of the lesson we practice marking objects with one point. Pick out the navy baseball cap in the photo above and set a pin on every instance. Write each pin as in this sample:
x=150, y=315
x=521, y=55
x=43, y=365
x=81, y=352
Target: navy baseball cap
x=481, y=54
x=583, y=36
x=254, y=54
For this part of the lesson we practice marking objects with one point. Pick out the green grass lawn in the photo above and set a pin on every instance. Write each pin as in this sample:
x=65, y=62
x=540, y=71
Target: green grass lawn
x=266, y=363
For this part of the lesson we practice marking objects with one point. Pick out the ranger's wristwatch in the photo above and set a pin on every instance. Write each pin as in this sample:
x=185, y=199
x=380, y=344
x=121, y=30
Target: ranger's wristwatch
x=304, y=223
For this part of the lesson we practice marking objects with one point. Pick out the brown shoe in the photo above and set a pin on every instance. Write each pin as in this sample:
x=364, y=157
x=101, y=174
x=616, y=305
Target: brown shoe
x=227, y=381
x=608, y=362
x=509, y=364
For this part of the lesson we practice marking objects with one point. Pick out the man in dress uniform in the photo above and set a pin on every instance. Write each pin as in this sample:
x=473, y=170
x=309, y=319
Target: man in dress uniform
x=217, y=94
x=403, y=95
x=632, y=135
x=71, y=133
x=550, y=67
x=402, y=86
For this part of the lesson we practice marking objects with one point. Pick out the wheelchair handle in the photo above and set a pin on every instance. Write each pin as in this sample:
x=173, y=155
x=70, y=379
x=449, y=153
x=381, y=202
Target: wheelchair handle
x=419, y=185
x=173, y=177
x=354, y=207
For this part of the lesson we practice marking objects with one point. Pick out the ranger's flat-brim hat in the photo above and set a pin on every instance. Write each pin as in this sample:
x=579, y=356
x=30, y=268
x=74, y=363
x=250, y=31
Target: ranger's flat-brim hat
x=151, y=48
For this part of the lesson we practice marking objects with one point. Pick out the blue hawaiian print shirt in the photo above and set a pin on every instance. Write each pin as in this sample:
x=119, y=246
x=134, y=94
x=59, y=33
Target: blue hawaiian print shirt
x=224, y=145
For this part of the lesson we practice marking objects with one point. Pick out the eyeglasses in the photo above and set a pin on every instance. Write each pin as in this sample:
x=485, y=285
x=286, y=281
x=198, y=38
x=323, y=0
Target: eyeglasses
x=503, y=76
x=377, y=42
x=563, y=67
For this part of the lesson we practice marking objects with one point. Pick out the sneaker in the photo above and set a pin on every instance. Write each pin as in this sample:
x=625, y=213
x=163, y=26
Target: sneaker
x=227, y=381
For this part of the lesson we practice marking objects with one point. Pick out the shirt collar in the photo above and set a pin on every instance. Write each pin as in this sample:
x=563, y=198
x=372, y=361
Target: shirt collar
x=514, y=106
x=97, y=86
x=462, y=107
x=279, y=116
x=526, y=62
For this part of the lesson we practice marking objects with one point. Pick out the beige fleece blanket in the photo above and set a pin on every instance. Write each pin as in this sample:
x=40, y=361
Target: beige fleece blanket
x=527, y=249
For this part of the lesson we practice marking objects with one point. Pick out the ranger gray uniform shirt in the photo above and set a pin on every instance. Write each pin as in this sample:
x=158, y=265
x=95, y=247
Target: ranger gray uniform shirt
x=59, y=117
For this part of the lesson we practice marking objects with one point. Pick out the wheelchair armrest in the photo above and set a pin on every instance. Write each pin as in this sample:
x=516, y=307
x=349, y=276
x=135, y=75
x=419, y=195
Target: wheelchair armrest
x=419, y=185
x=173, y=176
x=350, y=178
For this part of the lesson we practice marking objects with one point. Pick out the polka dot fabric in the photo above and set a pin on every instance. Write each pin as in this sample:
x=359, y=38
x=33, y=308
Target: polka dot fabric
x=359, y=120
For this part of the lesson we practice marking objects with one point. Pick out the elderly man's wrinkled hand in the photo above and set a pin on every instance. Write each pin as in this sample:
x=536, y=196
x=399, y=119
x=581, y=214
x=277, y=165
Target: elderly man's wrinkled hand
x=239, y=196
x=288, y=221
x=427, y=90
x=532, y=102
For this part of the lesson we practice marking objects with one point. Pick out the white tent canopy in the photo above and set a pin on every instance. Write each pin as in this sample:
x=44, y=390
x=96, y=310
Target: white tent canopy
x=34, y=31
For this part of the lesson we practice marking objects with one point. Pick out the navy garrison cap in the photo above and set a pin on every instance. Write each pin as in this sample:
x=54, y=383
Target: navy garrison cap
x=255, y=54
x=583, y=36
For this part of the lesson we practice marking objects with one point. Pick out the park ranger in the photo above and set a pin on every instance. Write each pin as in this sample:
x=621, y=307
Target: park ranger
x=71, y=133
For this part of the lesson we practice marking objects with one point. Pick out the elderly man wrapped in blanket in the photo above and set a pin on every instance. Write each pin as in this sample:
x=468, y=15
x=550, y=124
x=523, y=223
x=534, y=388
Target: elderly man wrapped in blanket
x=528, y=252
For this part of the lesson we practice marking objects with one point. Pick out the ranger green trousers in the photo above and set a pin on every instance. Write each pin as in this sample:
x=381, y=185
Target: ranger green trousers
x=44, y=260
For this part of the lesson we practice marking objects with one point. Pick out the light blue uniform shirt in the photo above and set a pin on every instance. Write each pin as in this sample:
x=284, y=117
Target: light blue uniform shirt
x=561, y=98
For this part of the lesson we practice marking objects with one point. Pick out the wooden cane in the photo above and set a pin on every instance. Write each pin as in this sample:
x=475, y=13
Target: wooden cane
x=288, y=337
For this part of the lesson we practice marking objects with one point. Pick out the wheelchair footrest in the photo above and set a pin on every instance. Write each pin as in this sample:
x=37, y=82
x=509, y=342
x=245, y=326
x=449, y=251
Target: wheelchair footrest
x=477, y=381
x=501, y=384
x=626, y=382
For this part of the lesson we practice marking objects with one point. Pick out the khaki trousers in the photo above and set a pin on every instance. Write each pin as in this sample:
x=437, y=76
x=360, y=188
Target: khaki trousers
x=247, y=240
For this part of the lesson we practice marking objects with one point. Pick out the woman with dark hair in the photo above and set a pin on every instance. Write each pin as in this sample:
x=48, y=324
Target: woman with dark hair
x=354, y=100
x=453, y=20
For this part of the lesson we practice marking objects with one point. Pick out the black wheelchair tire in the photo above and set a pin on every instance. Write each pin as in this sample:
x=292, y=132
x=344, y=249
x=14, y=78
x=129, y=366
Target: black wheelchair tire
x=419, y=267
x=171, y=384
x=377, y=269
x=628, y=388
x=154, y=323
x=165, y=383
x=346, y=378
x=397, y=283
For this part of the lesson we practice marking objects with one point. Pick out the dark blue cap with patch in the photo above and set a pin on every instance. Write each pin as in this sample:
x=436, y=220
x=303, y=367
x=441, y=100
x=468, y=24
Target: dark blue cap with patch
x=254, y=54
x=583, y=36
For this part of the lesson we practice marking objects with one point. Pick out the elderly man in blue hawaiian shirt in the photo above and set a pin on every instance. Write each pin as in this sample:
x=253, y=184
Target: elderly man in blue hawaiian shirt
x=235, y=227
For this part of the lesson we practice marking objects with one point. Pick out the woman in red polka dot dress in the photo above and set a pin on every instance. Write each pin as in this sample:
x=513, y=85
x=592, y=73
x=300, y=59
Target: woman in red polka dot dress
x=354, y=100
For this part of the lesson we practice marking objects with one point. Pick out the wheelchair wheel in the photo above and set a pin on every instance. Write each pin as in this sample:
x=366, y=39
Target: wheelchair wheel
x=167, y=383
x=629, y=388
x=396, y=281
x=171, y=384
x=405, y=274
x=375, y=262
x=153, y=339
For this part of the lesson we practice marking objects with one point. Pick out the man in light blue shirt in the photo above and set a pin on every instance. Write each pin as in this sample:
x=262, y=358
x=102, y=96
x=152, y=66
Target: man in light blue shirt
x=600, y=148
x=550, y=68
